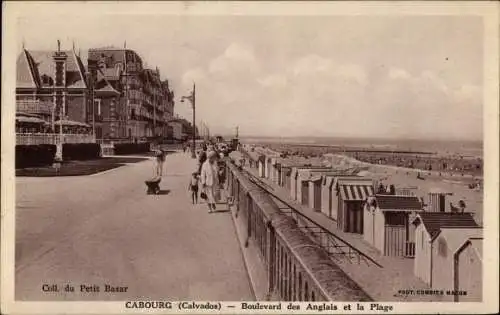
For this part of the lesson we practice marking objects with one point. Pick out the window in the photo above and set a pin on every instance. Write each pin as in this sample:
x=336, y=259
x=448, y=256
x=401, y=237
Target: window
x=97, y=108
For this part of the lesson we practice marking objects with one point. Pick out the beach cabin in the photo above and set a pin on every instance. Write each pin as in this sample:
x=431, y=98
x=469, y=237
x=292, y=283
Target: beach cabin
x=386, y=224
x=298, y=175
x=327, y=195
x=272, y=164
x=406, y=191
x=468, y=270
x=278, y=174
x=443, y=255
x=274, y=170
x=329, y=199
x=316, y=178
x=437, y=200
x=315, y=191
x=262, y=166
x=335, y=193
x=268, y=166
x=303, y=186
x=286, y=177
x=352, y=193
x=293, y=182
x=438, y=235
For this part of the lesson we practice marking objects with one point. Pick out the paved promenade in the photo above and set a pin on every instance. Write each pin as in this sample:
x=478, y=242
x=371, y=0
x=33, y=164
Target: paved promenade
x=104, y=229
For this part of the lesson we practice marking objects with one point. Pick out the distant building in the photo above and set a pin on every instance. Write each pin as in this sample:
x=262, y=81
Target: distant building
x=182, y=129
x=438, y=236
x=177, y=130
x=387, y=223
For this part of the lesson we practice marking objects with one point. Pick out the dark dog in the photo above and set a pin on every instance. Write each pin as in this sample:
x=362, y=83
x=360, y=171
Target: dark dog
x=153, y=185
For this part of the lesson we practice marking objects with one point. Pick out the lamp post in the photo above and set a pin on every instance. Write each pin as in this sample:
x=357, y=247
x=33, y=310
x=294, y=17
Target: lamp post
x=192, y=98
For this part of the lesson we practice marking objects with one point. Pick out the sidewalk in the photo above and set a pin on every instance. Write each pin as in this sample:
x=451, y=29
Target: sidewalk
x=106, y=230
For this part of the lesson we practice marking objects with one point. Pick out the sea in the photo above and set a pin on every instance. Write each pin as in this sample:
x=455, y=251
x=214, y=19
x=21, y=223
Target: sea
x=465, y=148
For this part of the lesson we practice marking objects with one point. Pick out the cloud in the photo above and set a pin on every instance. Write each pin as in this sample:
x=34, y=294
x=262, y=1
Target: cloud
x=312, y=64
x=193, y=75
x=397, y=73
x=468, y=93
x=273, y=80
x=352, y=71
x=236, y=57
x=320, y=96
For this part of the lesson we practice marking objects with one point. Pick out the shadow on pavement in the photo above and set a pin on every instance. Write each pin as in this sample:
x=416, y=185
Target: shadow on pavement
x=164, y=192
x=220, y=211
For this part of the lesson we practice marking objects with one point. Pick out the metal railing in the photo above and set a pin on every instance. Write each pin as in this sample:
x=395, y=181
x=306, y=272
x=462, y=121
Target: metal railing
x=297, y=268
x=34, y=106
x=52, y=138
x=338, y=248
x=410, y=249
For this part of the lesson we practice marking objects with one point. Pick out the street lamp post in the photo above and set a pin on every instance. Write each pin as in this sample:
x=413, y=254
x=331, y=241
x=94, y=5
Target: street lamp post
x=192, y=98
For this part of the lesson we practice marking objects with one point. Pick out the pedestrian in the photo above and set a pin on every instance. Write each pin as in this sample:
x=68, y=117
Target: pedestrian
x=209, y=179
x=193, y=187
x=160, y=160
x=202, y=158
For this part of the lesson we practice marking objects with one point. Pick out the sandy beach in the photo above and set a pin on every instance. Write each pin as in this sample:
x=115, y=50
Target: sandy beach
x=402, y=177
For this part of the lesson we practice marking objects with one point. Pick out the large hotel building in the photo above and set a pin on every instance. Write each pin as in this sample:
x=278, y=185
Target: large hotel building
x=114, y=94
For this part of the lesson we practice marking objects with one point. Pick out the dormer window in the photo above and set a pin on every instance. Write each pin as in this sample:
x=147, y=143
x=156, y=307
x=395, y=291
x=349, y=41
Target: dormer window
x=47, y=81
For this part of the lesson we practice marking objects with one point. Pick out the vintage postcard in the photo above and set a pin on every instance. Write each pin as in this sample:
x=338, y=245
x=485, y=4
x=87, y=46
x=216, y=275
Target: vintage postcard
x=250, y=157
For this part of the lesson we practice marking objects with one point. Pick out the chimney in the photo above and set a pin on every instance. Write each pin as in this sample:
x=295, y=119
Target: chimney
x=60, y=58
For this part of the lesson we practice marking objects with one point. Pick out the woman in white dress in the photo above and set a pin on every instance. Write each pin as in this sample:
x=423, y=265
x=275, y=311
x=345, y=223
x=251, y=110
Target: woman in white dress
x=209, y=179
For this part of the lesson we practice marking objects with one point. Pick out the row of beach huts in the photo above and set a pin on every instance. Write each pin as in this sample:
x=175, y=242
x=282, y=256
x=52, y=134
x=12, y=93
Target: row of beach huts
x=446, y=246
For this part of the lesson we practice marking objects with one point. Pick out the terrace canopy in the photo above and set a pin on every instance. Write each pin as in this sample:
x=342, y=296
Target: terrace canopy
x=71, y=123
x=30, y=120
x=73, y=127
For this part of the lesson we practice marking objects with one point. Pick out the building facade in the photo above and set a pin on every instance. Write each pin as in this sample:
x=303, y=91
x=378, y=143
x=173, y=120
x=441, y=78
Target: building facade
x=52, y=86
x=140, y=105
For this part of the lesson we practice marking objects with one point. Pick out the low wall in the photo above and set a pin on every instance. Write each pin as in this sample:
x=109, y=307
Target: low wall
x=295, y=268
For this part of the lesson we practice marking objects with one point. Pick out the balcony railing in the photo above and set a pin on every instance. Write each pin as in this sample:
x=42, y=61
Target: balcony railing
x=410, y=249
x=34, y=106
x=52, y=138
x=297, y=268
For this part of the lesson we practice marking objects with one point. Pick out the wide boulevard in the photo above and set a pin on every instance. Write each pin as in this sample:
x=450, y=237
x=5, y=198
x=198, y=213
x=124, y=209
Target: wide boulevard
x=91, y=231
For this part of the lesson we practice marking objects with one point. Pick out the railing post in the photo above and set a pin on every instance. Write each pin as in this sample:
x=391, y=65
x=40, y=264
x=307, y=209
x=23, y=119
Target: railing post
x=271, y=259
x=249, y=217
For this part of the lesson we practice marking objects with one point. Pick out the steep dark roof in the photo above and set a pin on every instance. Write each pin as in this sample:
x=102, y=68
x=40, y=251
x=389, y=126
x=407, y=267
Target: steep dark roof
x=26, y=70
x=435, y=221
x=398, y=202
x=36, y=64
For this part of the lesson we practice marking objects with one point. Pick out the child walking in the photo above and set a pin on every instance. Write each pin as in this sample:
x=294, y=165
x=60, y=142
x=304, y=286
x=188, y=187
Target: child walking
x=193, y=187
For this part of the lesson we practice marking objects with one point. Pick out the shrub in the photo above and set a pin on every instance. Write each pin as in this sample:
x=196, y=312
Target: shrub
x=131, y=148
x=81, y=151
x=35, y=155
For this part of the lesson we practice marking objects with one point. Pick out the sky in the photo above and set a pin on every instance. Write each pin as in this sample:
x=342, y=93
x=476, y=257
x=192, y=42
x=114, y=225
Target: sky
x=348, y=76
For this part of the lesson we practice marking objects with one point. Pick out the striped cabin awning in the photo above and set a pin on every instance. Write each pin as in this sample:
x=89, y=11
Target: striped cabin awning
x=356, y=192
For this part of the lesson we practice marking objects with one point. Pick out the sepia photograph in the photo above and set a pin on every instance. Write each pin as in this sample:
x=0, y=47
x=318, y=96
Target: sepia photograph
x=190, y=157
